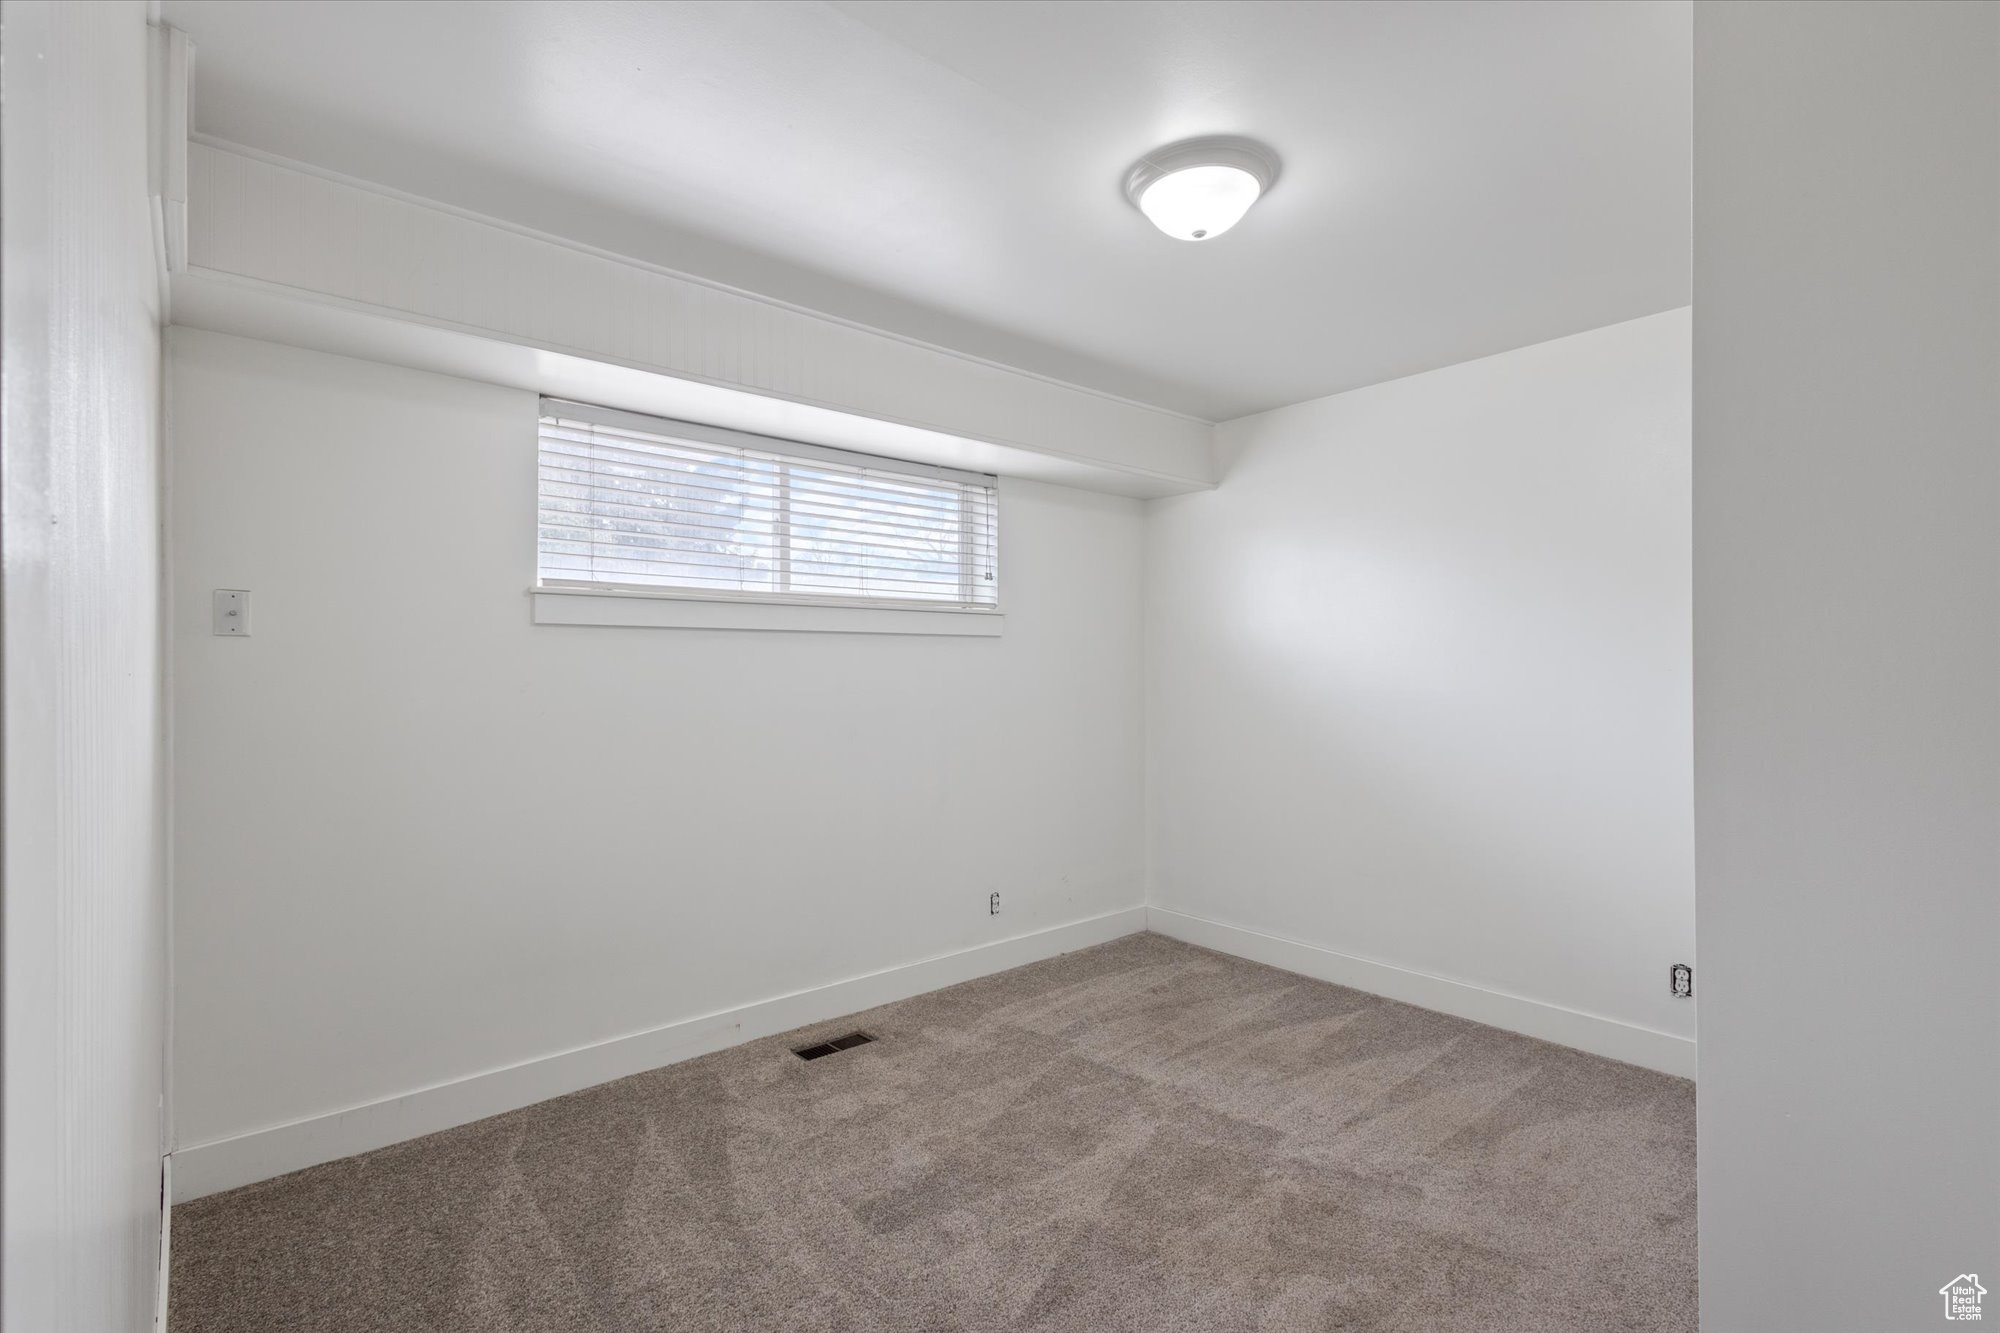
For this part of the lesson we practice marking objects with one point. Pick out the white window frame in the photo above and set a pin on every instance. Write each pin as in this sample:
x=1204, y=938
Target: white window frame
x=564, y=603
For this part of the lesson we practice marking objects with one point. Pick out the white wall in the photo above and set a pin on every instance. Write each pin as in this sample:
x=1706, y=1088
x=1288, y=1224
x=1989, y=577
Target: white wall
x=273, y=230
x=419, y=838
x=1847, y=635
x=85, y=895
x=1419, y=687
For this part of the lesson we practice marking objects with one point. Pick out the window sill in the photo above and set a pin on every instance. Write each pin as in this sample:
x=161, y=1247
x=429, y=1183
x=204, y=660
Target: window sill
x=584, y=606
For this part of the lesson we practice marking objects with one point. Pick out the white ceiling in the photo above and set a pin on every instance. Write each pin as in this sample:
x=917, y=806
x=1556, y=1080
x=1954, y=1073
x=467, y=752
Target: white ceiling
x=1458, y=179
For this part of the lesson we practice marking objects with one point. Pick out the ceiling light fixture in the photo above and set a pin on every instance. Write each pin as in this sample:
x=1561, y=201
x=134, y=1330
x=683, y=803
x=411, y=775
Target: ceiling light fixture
x=1197, y=189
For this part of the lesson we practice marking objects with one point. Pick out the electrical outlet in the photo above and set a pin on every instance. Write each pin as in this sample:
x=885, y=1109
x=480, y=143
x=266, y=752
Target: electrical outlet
x=1681, y=981
x=993, y=905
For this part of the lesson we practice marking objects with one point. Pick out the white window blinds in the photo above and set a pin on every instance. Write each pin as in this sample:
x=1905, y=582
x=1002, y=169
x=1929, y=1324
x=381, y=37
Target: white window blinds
x=647, y=504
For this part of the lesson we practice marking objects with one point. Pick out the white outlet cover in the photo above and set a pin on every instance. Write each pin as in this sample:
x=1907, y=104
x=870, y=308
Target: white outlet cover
x=232, y=613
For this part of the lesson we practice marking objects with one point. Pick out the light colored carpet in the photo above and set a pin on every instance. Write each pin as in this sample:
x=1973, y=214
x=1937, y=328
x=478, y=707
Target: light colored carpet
x=1141, y=1136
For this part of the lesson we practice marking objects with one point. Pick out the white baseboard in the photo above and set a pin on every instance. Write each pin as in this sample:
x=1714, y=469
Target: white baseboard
x=166, y=1244
x=205, y=1168
x=1608, y=1037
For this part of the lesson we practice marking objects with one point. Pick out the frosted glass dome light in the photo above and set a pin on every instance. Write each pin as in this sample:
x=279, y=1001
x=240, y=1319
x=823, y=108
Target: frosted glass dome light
x=1200, y=188
x=1196, y=203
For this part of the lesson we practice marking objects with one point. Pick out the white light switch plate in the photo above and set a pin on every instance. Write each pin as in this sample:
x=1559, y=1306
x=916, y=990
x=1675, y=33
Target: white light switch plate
x=232, y=612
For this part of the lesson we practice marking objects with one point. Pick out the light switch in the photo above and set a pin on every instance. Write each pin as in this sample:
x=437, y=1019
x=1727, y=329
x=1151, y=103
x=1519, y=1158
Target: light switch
x=232, y=612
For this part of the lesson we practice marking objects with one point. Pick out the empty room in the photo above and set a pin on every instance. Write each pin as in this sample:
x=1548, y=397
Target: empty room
x=748, y=666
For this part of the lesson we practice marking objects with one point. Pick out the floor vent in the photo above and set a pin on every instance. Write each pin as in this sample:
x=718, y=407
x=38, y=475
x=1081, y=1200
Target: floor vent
x=829, y=1047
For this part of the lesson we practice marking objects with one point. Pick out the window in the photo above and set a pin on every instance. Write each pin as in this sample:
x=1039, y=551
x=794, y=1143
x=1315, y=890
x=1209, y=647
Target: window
x=646, y=505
